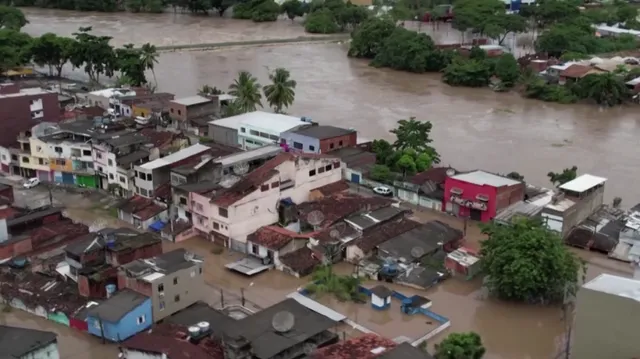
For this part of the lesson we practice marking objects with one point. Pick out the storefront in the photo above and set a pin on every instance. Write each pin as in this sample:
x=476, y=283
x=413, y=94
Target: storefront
x=86, y=181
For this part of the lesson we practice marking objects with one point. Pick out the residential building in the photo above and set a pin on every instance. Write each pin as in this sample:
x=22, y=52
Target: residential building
x=23, y=343
x=481, y=195
x=247, y=338
x=108, y=99
x=253, y=129
x=120, y=317
x=128, y=103
x=172, y=280
x=425, y=189
x=142, y=212
x=356, y=162
x=272, y=242
x=366, y=245
x=232, y=213
x=328, y=190
x=575, y=201
x=319, y=139
x=151, y=175
x=463, y=262
x=37, y=162
x=368, y=346
x=604, y=323
x=186, y=113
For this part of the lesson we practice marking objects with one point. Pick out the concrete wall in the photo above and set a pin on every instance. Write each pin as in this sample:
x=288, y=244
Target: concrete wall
x=605, y=326
x=224, y=135
x=186, y=290
x=334, y=143
x=304, y=143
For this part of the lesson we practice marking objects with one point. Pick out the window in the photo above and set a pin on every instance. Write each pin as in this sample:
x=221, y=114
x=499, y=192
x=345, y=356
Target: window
x=110, y=162
x=340, y=143
x=161, y=305
x=96, y=324
x=275, y=184
x=61, y=162
x=321, y=170
x=223, y=212
x=40, y=161
x=122, y=180
x=254, y=249
x=264, y=188
x=57, y=149
x=175, y=281
x=161, y=287
x=216, y=225
x=99, y=155
x=179, y=112
x=297, y=145
x=275, y=138
x=312, y=148
x=25, y=159
x=111, y=176
x=100, y=169
x=149, y=178
x=176, y=298
x=283, y=141
x=254, y=132
x=312, y=173
x=141, y=319
x=199, y=206
x=14, y=157
x=141, y=175
x=332, y=145
x=336, y=165
x=264, y=135
x=200, y=270
x=171, y=110
x=243, y=130
x=201, y=220
x=144, y=192
x=183, y=201
x=327, y=168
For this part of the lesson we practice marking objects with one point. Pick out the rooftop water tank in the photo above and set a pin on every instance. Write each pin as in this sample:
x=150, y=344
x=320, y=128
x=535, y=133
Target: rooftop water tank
x=111, y=288
x=194, y=331
x=204, y=326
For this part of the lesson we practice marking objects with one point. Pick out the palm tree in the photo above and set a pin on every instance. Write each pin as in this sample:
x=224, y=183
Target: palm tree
x=208, y=90
x=281, y=92
x=149, y=57
x=605, y=89
x=246, y=89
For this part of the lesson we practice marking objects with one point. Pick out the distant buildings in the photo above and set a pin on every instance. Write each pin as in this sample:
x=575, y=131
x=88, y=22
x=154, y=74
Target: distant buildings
x=319, y=139
x=23, y=343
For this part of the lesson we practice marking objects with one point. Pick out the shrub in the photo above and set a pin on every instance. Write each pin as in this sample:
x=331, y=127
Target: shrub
x=266, y=11
x=321, y=22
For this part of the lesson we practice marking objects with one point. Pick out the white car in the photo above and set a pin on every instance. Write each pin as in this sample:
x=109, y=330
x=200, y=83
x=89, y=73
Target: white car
x=383, y=191
x=31, y=182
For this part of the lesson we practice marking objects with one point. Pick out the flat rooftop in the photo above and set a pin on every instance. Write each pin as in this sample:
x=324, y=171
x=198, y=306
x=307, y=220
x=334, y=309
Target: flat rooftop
x=323, y=132
x=259, y=120
x=583, y=183
x=615, y=285
x=191, y=100
x=26, y=92
x=154, y=268
x=249, y=155
x=482, y=178
x=175, y=157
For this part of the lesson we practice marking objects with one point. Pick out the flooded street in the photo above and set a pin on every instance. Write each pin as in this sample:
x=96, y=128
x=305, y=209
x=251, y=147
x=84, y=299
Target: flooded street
x=473, y=128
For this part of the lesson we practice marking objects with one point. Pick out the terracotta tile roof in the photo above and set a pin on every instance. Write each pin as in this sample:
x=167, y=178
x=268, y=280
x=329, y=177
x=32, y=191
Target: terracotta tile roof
x=384, y=232
x=163, y=192
x=274, y=237
x=332, y=188
x=171, y=339
x=339, y=206
x=575, y=71
x=355, y=348
x=251, y=181
x=301, y=261
x=436, y=175
x=142, y=207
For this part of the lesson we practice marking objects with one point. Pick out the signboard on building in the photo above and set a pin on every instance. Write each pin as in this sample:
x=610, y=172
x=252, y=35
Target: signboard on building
x=482, y=206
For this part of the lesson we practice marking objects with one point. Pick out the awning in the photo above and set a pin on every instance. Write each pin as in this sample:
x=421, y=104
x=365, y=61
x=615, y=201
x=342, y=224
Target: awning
x=157, y=226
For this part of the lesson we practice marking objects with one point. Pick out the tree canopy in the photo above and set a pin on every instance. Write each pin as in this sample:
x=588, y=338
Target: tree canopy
x=247, y=91
x=368, y=39
x=281, y=92
x=487, y=18
x=460, y=346
x=415, y=135
x=526, y=262
x=560, y=178
x=12, y=18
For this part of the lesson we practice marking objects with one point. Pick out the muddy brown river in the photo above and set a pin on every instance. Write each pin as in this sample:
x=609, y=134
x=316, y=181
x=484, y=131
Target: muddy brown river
x=473, y=128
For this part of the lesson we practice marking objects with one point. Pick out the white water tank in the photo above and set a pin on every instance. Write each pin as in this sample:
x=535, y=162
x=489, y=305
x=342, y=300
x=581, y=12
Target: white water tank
x=204, y=326
x=193, y=331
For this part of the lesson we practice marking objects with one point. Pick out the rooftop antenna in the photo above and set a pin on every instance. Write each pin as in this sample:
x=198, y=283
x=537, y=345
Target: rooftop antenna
x=241, y=168
x=315, y=218
x=417, y=252
x=283, y=322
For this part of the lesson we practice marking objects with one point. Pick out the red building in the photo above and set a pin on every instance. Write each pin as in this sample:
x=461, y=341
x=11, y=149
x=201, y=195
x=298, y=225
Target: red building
x=480, y=195
x=320, y=139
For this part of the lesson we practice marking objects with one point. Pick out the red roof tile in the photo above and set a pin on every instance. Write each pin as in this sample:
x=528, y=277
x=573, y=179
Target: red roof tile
x=301, y=261
x=383, y=232
x=575, y=71
x=332, y=188
x=339, y=206
x=272, y=237
x=355, y=348
x=142, y=207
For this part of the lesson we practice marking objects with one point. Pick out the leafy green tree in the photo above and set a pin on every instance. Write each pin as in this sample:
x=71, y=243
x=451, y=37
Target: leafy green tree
x=322, y=21
x=423, y=162
x=130, y=63
x=14, y=49
x=460, y=346
x=232, y=109
x=382, y=149
x=94, y=54
x=405, y=50
x=507, y=69
x=527, y=262
x=351, y=16
x=281, y=92
x=606, y=89
x=549, y=12
x=12, y=18
x=538, y=88
x=246, y=89
x=407, y=165
x=560, y=178
x=467, y=72
x=222, y=5
x=415, y=135
x=562, y=38
x=487, y=18
x=52, y=51
x=293, y=8
x=380, y=173
x=515, y=176
x=208, y=90
x=368, y=39
x=266, y=11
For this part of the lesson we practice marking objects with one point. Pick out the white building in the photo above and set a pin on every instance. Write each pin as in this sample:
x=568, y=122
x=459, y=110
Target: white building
x=23, y=343
x=253, y=129
x=108, y=98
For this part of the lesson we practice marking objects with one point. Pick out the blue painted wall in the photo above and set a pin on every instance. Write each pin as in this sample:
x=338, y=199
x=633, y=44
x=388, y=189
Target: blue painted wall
x=127, y=326
x=304, y=140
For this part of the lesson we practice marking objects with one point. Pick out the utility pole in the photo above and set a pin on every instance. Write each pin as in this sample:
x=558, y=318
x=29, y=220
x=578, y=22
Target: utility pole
x=50, y=197
x=222, y=299
x=242, y=294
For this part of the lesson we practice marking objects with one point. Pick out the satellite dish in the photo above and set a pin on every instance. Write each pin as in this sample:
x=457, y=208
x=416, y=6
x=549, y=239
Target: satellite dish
x=241, y=168
x=417, y=252
x=283, y=322
x=451, y=172
x=315, y=218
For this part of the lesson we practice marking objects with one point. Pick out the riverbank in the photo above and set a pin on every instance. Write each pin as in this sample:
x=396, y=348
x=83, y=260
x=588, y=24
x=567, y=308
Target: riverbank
x=321, y=39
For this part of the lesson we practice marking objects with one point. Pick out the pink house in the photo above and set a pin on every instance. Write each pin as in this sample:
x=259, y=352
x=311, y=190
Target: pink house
x=229, y=215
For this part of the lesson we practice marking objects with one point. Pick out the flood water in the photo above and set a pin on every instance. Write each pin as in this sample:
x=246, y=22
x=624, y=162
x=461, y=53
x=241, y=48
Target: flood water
x=473, y=128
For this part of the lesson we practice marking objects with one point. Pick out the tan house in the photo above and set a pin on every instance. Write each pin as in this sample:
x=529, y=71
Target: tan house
x=605, y=324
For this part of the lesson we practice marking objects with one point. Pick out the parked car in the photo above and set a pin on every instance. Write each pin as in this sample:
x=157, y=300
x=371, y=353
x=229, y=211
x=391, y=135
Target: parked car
x=383, y=191
x=31, y=182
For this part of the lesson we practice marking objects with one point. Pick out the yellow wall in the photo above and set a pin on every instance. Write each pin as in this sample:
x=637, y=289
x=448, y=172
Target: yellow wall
x=141, y=111
x=66, y=167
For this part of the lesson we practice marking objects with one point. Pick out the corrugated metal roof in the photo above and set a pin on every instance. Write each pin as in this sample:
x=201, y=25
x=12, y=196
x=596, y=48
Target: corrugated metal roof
x=317, y=307
x=583, y=183
x=176, y=157
x=482, y=178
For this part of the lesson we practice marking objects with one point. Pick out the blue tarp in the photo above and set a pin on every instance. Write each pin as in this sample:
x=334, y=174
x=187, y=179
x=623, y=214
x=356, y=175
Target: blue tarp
x=157, y=226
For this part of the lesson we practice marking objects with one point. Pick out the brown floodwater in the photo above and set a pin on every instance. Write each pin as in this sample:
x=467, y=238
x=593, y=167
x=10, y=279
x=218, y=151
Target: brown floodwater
x=472, y=128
